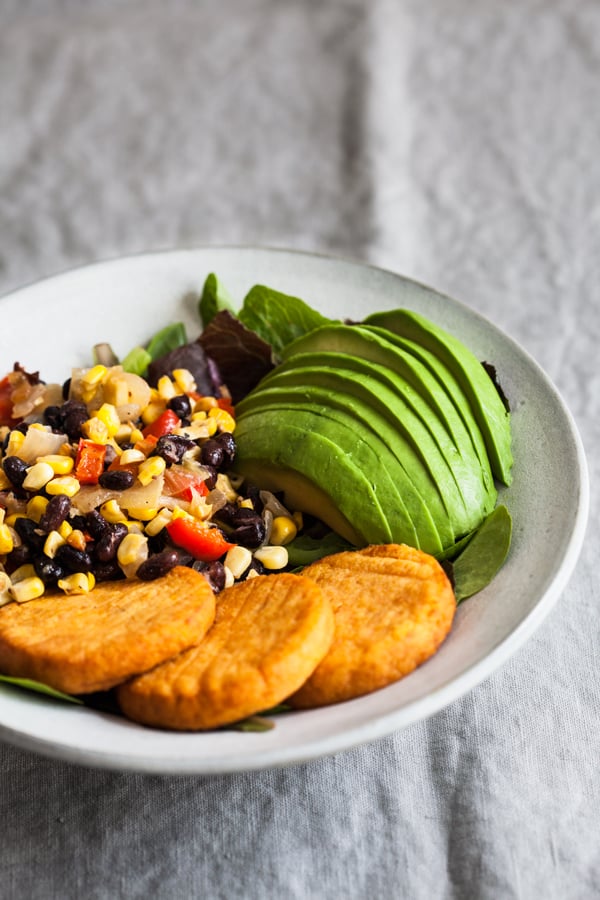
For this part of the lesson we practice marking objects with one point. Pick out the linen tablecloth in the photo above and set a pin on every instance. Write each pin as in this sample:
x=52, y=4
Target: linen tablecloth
x=453, y=142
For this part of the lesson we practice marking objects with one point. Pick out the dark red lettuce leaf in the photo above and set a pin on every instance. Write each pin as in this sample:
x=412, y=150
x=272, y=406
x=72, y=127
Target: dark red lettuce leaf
x=242, y=357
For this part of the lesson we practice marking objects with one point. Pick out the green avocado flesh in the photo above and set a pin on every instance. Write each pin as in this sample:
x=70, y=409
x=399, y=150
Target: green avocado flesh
x=377, y=435
x=486, y=403
x=425, y=463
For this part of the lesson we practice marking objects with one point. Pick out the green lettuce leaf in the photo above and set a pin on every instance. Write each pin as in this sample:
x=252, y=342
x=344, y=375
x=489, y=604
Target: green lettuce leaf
x=278, y=318
x=29, y=685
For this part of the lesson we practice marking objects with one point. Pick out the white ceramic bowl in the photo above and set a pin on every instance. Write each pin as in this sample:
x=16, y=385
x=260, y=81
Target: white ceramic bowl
x=52, y=325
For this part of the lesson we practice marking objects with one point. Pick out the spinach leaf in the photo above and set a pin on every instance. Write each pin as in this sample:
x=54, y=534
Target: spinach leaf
x=304, y=549
x=483, y=556
x=167, y=339
x=30, y=685
x=137, y=361
x=214, y=299
x=278, y=318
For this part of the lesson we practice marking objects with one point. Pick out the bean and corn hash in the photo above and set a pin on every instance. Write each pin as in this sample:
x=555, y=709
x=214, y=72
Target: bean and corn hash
x=108, y=478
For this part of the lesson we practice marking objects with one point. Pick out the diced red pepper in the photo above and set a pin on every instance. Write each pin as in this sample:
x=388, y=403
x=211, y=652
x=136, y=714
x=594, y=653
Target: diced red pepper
x=204, y=543
x=6, y=406
x=89, y=461
x=180, y=483
x=166, y=423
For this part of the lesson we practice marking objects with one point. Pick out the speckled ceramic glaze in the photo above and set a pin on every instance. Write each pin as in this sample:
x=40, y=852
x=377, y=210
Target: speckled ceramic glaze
x=53, y=325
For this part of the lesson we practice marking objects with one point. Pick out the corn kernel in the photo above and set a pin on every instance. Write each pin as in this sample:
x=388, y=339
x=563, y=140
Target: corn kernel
x=124, y=432
x=246, y=504
x=38, y=476
x=225, y=421
x=59, y=462
x=24, y=571
x=27, y=589
x=5, y=482
x=150, y=469
x=205, y=403
x=272, y=557
x=136, y=436
x=134, y=526
x=144, y=514
x=283, y=530
x=76, y=539
x=63, y=484
x=36, y=508
x=237, y=560
x=229, y=577
x=96, y=430
x=10, y=520
x=151, y=412
x=15, y=442
x=65, y=529
x=184, y=380
x=166, y=388
x=131, y=456
x=132, y=552
x=198, y=416
x=94, y=376
x=6, y=539
x=179, y=513
x=110, y=417
x=159, y=521
x=52, y=543
x=2, y=514
x=298, y=519
x=77, y=583
x=112, y=512
x=5, y=586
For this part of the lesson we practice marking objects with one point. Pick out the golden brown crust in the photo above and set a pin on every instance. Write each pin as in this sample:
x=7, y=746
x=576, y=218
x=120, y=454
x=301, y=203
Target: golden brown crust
x=393, y=606
x=269, y=634
x=81, y=643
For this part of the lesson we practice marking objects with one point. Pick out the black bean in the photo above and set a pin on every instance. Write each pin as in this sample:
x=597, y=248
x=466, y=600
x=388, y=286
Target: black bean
x=227, y=443
x=15, y=470
x=256, y=567
x=172, y=447
x=56, y=512
x=73, y=559
x=29, y=532
x=211, y=477
x=74, y=415
x=18, y=557
x=54, y=418
x=250, y=535
x=116, y=479
x=181, y=406
x=108, y=544
x=212, y=454
x=107, y=571
x=158, y=565
x=95, y=524
x=214, y=572
x=48, y=569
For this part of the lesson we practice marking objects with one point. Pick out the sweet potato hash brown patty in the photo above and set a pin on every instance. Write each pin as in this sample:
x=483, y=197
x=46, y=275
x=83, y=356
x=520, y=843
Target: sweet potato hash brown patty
x=269, y=634
x=81, y=643
x=393, y=606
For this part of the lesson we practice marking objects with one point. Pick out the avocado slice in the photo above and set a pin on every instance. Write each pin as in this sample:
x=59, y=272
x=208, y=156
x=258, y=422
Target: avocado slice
x=410, y=518
x=404, y=407
x=444, y=400
x=316, y=475
x=490, y=413
x=381, y=403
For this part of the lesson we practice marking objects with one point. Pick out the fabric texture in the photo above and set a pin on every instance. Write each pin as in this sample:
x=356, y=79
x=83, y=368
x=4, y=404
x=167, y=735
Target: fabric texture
x=453, y=142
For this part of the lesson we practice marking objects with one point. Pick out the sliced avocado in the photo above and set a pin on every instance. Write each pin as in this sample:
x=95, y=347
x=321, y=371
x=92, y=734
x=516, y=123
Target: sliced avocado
x=411, y=519
x=450, y=491
x=449, y=386
x=323, y=467
x=489, y=410
x=391, y=395
x=429, y=378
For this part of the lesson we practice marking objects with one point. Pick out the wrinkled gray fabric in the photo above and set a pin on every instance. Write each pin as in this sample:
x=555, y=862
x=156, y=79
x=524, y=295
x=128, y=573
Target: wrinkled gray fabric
x=456, y=143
